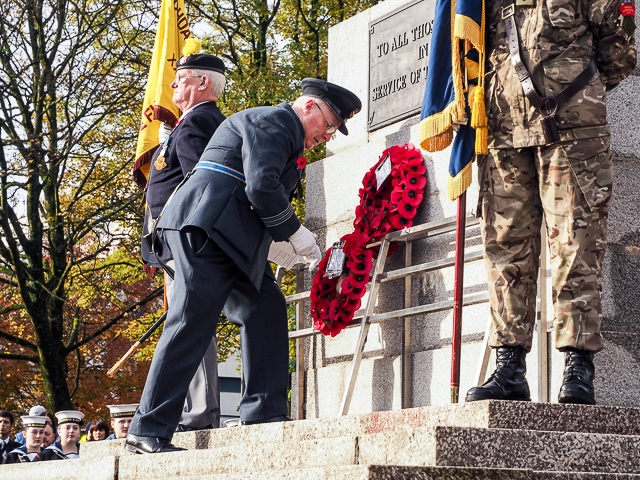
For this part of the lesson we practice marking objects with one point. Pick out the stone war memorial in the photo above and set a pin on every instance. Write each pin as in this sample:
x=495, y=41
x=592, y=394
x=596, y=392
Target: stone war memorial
x=399, y=421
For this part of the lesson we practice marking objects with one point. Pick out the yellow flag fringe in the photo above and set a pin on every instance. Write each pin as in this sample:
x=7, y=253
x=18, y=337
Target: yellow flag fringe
x=436, y=130
x=458, y=185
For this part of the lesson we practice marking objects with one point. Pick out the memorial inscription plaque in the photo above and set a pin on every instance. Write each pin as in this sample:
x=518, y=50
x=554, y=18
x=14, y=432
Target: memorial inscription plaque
x=398, y=56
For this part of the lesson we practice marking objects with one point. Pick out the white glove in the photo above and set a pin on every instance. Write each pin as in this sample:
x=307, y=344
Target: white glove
x=163, y=132
x=304, y=244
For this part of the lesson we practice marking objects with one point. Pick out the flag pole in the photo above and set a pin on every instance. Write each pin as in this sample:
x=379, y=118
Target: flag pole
x=458, y=287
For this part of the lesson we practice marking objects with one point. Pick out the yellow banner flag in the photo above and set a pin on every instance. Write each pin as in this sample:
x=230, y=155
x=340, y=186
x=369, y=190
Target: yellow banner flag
x=173, y=30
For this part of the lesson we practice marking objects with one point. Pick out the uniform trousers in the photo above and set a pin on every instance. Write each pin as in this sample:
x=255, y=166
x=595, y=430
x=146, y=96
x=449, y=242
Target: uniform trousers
x=202, y=405
x=569, y=185
x=206, y=282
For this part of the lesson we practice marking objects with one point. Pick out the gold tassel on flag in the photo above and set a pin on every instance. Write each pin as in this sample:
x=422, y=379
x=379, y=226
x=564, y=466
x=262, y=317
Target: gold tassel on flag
x=479, y=120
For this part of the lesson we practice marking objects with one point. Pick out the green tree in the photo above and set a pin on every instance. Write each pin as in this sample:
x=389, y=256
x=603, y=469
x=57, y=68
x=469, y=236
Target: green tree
x=71, y=83
x=71, y=78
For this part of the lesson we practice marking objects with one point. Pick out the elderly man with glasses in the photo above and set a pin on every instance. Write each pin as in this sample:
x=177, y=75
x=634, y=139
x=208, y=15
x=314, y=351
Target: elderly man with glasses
x=219, y=226
x=198, y=84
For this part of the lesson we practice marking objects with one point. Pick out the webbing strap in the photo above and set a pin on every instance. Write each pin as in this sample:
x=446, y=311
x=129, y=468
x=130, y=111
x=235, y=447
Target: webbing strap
x=548, y=106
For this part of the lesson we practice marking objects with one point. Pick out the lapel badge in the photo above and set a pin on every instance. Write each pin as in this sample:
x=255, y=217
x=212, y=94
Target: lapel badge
x=160, y=163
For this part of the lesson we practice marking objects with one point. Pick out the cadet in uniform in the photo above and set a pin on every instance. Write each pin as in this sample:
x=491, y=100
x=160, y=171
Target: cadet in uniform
x=67, y=446
x=199, y=83
x=35, y=410
x=34, y=435
x=219, y=226
x=121, y=416
x=550, y=65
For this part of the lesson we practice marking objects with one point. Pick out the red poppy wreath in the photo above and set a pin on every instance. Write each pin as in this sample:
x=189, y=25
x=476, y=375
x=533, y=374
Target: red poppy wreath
x=390, y=195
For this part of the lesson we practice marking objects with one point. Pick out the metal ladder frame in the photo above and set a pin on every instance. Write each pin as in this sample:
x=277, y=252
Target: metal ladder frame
x=407, y=236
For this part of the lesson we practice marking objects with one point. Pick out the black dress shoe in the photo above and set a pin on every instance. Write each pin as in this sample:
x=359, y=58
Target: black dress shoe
x=281, y=418
x=577, y=384
x=138, y=444
x=508, y=381
x=187, y=428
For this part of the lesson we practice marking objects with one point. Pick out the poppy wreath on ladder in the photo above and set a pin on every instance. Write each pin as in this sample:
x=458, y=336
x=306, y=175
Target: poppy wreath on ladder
x=381, y=210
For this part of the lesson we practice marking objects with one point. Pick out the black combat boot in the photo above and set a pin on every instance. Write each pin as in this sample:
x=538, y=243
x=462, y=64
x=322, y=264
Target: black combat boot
x=577, y=386
x=508, y=382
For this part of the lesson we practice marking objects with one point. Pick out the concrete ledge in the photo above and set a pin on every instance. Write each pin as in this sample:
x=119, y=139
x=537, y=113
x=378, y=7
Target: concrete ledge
x=564, y=418
x=584, y=476
x=83, y=469
x=254, y=456
x=380, y=472
x=476, y=440
x=105, y=448
x=488, y=414
x=538, y=450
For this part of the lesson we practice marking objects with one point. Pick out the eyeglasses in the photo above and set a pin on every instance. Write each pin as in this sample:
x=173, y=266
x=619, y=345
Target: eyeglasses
x=329, y=127
x=182, y=76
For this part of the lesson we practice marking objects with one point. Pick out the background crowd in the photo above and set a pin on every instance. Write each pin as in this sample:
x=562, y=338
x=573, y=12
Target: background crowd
x=44, y=436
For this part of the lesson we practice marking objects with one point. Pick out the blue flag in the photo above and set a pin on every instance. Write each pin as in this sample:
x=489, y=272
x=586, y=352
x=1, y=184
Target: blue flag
x=454, y=93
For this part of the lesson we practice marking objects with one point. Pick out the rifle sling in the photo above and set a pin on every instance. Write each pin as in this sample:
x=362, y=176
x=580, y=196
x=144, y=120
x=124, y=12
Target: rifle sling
x=548, y=106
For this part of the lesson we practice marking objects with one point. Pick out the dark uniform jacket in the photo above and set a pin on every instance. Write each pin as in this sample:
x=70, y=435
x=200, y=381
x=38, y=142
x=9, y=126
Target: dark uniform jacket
x=7, y=447
x=558, y=40
x=186, y=144
x=54, y=452
x=263, y=144
x=18, y=455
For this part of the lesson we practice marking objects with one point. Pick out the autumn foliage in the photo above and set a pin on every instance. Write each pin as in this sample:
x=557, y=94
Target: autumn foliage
x=72, y=75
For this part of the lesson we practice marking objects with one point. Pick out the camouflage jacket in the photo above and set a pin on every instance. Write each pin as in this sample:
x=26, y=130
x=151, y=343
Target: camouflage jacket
x=558, y=39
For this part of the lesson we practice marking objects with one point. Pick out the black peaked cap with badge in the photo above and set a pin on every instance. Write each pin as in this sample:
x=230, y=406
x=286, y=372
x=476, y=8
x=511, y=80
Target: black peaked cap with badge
x=345, y=104
x=201, y=61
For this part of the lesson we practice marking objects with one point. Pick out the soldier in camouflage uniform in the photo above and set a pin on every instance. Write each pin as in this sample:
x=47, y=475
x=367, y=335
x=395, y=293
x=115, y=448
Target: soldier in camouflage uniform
x=567, y=180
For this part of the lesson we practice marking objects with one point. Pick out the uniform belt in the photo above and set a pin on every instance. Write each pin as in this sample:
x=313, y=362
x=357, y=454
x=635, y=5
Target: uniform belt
x=217, y=167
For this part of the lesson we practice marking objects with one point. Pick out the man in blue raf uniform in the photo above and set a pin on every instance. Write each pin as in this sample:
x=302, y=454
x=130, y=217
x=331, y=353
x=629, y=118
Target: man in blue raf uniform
x=219, y=226
x=199, y=83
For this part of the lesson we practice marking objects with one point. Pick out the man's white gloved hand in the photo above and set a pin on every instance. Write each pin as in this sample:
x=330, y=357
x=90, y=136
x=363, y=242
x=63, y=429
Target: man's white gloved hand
x=304, y=244
x=163, y=132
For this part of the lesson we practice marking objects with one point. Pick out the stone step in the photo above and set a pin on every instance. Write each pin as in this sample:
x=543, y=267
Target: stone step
x=583, y=476
x=255, y=456
x=503, y=448
x=444, y=452
x=107, y=469
x=424, y=446
x=487, y=414
x=104, y=468
x=393, y=472
x=376, y=472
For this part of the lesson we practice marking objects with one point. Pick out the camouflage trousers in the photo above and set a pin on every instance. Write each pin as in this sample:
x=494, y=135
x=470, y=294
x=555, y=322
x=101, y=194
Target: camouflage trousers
x=568, y=183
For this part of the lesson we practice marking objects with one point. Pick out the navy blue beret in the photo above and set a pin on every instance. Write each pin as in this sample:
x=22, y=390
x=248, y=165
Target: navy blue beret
x=345, y=104
x=201, y=61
